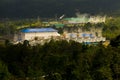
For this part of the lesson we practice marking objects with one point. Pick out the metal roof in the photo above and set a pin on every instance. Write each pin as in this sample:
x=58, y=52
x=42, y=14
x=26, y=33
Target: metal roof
x=59, y=25
x=32, y=30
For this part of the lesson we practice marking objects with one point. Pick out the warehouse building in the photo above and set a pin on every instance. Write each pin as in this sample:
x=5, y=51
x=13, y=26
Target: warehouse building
x=37, y=33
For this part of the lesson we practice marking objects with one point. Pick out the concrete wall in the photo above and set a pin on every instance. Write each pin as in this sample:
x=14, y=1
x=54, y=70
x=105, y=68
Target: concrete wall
x=43, y=35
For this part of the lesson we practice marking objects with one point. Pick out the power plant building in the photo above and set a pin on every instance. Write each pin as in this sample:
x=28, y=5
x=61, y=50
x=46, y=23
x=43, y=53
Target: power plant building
x=38, y=33
x=94, y=35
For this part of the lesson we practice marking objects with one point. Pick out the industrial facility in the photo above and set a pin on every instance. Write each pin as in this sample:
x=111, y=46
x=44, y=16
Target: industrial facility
x=36, y=34
x=82, y=19
x=79, y=35
x=43, y=35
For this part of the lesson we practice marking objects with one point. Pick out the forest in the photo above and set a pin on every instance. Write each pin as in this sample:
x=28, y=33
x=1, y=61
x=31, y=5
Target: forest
x=60, y=60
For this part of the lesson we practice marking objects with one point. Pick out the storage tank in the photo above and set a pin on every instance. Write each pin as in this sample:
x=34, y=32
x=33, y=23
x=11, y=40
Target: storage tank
x=73, y=35
x=86, y=35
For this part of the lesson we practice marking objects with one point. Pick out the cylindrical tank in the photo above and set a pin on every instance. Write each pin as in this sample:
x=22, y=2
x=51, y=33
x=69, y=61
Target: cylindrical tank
x=73, y=35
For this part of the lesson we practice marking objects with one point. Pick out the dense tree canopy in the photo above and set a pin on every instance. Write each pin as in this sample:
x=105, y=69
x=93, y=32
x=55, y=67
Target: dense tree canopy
x=60, y=60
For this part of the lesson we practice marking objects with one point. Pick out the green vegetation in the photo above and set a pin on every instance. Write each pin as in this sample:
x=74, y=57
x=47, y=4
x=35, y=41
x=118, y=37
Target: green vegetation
x=60, y=60
x=111, y=27
x=4, y=73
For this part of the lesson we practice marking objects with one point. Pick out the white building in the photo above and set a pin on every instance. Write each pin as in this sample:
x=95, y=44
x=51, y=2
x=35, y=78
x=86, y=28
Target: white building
x=38, y=33
x=94, y=35
x=97, y=19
